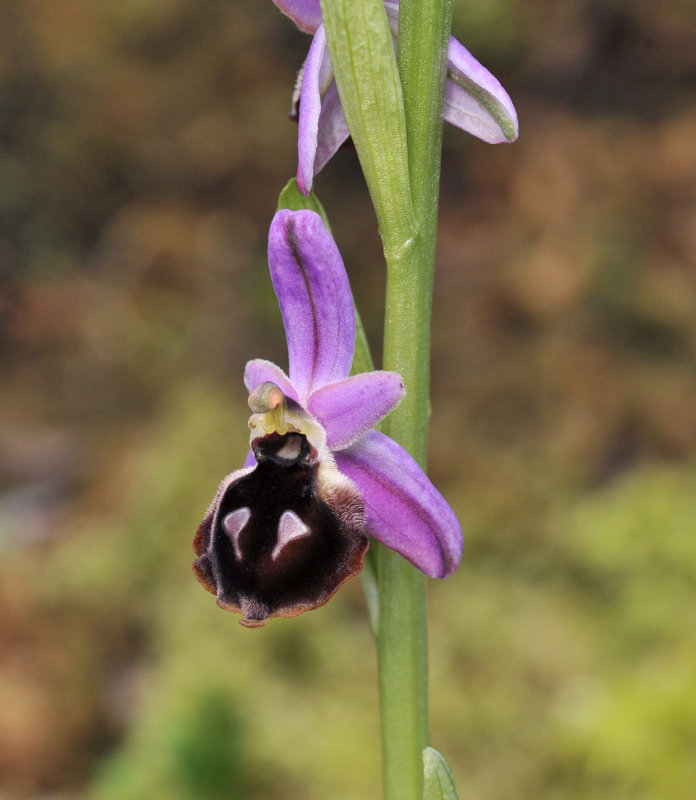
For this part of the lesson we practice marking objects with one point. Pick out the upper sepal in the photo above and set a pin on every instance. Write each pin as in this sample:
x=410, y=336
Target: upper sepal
x=312, y=287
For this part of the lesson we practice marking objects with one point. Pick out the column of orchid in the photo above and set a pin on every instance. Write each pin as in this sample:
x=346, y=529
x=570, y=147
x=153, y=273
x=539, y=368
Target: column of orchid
x=286, y=530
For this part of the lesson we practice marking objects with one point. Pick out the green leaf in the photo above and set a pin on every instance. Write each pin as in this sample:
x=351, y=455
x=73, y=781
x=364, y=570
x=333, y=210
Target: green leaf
x=361, y=47
x=291, y=197
x=362, y=357
x=438, y=782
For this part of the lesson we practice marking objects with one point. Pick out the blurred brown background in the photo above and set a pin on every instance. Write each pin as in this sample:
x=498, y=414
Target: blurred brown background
x=142, y=149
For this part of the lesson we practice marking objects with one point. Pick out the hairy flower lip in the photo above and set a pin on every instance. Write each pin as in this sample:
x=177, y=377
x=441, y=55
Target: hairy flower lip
x=282, y=537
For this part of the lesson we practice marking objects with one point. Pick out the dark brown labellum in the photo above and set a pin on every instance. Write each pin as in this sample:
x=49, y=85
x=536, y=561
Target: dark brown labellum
x=280, y=540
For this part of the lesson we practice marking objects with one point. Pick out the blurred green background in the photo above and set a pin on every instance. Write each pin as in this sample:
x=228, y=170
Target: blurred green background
x=142, y=148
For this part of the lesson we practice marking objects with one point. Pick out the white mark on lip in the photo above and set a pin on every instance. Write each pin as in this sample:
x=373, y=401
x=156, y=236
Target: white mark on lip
x=291, y=449
x=234, y=523
x=290, y=528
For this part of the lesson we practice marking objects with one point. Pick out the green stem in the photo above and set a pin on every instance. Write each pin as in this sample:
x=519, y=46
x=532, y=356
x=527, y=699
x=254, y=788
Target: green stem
x=402, y=653
x=424, y=27
x=402, y=641
x=394, y=112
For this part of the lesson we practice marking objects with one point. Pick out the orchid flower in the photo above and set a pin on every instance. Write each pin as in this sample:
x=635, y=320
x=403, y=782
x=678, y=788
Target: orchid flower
x=474, y=99
x=288, y=529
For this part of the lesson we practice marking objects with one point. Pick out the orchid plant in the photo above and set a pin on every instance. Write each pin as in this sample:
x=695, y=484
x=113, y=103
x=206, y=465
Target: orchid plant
x=320, y=483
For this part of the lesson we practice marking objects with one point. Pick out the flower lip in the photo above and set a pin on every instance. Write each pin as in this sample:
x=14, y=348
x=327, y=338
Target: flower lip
x=281, y=538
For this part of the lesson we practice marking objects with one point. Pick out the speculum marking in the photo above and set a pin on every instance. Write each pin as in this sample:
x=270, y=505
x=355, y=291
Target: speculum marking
x=234, y=523
x=290, y=527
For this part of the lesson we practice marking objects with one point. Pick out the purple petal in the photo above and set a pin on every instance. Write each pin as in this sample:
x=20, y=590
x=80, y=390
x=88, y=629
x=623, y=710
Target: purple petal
x=350, y=407
x=333, y=128
x=392, y=9
x=312, y=287
x=322, y=127
x=316, y=64
x=474, y=99
x=258, y=370
x=306, y=14
x=404, y=510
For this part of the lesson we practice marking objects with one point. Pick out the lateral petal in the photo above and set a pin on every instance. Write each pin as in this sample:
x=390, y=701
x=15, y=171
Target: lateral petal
x=350, y=407
x=474, y=99
x=312, y=287
x=403, y=509
x=258, y=370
